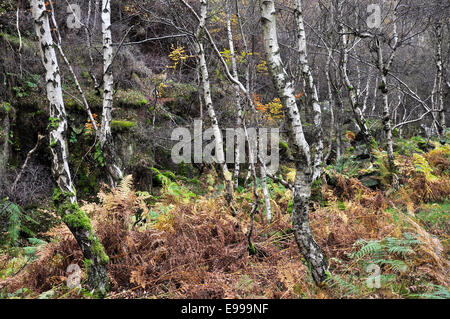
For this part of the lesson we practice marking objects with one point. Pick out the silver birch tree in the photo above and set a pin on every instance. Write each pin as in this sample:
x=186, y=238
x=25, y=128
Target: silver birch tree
x=65, y=193
x=301, y=150
x=111, y=159
x=311, y=90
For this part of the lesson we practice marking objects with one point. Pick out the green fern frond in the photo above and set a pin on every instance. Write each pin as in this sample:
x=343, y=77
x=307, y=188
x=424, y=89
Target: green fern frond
x=396, y=265
x=14, y=221
x=368, y=248
x=421, y=165
x=347, y=288
x=439, y=292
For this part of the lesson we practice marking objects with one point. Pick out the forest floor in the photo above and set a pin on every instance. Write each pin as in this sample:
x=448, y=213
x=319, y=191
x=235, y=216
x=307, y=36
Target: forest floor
x=184, y=242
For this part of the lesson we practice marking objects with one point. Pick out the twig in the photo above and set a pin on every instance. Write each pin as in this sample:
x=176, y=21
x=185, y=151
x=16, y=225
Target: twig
x=24, y=166
x=75, y=78
x=20, y=39
x=155, y=39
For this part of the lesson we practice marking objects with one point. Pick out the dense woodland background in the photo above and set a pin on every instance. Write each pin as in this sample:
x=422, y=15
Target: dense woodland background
x=88, y=106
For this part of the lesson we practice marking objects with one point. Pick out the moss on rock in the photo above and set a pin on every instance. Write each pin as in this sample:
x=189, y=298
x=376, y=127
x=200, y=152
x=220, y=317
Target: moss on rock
x=130, y=98
x=120, y=125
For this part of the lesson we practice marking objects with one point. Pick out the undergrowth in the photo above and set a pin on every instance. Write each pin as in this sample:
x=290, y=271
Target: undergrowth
x=178, y=242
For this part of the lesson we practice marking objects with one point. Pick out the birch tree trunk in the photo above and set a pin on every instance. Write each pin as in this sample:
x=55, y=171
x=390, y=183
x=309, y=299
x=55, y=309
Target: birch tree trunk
x=439, y=81
x=5, y=117
x=366, y=95
x=65, y=197
x=374, y=103
x=236, y=93
x=87, y=32
x=300, y=148
x=311, y=90
x=69, y=66
x=338, y=127
x=111, y=159
x=240, y=121
x=220, y=155
x=357, y=113
x=331, y=104
x=384, y=69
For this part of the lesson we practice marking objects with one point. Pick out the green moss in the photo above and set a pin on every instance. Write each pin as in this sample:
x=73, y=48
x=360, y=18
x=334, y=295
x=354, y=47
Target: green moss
x=122, y=124
x=284, y=148
x=61, y=197
x=74, y=217
x=251, y=249
x=130, y=98
x=175, y=89
x=56, y=194
x=15, y=40
x=78, y=222
x=87, y=264
x=290, y=206
x=5, y=106
x=142, y=102
x=88, y=181
x=72, y=104
x=98, y=250
x=52, y=142
x=53, y=123
x=85, y=75
x=284, y=145
x=94, y=99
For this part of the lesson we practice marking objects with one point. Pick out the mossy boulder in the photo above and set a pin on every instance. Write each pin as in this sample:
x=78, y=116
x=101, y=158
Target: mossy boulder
x=122, y=125
x=130, y=98
x=370, y=181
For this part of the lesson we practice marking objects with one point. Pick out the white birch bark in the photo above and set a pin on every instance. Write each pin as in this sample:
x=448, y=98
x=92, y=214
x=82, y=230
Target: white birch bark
x=439, y=81
x=359, y=117
x=311, y=90
x=106, y=139
x=240, y=109
x=358, y=84
x=96, y=5
x=236, y=93
x=386, y=109
x=82, y=231
x=339, y=120
x=433, y=94
x=374, y=102
x=302, y=187
x=58, y=116
x=384, y=68
x=69, y=66
x=87, y=32
x=108, y=80
x=366, y=95
x=220, y=155
x=331, y=104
